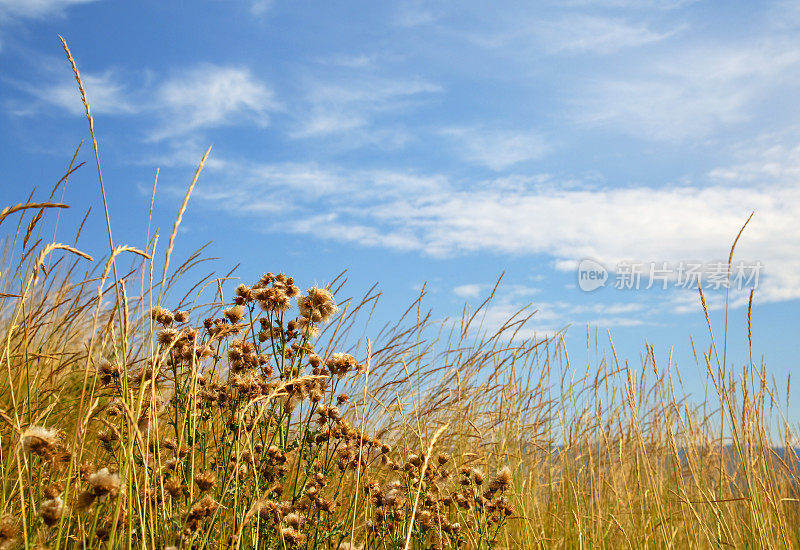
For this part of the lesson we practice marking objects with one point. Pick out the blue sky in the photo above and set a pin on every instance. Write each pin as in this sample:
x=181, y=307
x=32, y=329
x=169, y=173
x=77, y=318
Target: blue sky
x=445, y=142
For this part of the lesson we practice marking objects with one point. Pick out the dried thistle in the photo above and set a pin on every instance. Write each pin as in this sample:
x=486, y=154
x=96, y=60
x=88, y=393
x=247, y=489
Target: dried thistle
x=51, y=510
x=318, y=305
x=40, y=441
x=105, y=482
x=205, y=480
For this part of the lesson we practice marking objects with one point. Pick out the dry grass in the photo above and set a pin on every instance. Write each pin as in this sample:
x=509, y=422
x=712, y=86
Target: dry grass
x=265, y=421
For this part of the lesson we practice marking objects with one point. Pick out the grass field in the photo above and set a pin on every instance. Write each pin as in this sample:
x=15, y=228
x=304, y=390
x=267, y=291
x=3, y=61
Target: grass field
x=142, y=408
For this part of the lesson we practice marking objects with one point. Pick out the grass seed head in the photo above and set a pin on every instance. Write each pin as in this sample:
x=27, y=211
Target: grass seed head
x=105, y=482
x=205, y=480
x=234, y=314
x=51, y=510
x=318, y=305
x=292, y=536
x=162, y=316
x=40, y=441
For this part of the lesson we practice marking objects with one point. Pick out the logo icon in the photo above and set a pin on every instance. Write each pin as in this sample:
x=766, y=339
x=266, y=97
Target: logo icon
x=591, y=275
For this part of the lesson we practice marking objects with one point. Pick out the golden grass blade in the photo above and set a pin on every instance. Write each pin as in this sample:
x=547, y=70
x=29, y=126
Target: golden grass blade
x=132, y=249
x=182, y=209
x=421, y=477
x=361, y=439
x=19, y=207
x=750, y=318
x=72, y=168
x=87, y=108
x=52, y=247
x=736, y=240
x=31, y=225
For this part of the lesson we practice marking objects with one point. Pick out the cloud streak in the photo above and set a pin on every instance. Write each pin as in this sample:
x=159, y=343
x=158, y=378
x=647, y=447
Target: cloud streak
x=584, y=34
x=496, y=149
x=199, y=98
x=336, y=108
x=690, y=94
x=36, y=9
x=106, y=95
x=440, y=217
x=209, y=96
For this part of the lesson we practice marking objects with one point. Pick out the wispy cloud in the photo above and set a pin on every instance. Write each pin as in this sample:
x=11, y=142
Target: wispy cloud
x=522, y=34
x=691, y=93
x=341, y=107
x=468, y=291
x=324, y=186
x=19, y=10
x=630, y=4
x=415, y=13
x=106, y=95
x=609, y=309
x=440, y=217
x=210, y=96
x=356, y=61
x=261, y=7
x=549, y=317
x=502, y=312
x=36, y=9
x=181, y=151
x=580, y=34
x=773, y=157
x=497, y=149
x=198, y=98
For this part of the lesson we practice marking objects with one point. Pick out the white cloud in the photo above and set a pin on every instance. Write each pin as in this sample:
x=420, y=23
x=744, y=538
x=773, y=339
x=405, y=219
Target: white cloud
x=323, y=123
x=415, y=18
x=184, y=151
x=350, y=61
x=210, y=96
x=468, y=291
x=261, y=7
x=608, y=309
x=16, y=10
x=578, y=33
x=630, y=4
x=497, y=149
x=322, y=187
x=692, y=93
x=607, y=322
x=502, y=312
x=415, y=13
x=205, y=96
x=769, y=158
x=784, y=15
x=36, y=9
x=341, y=107
x=524, y=35
x=550, y=317
x=106, y=95
x=440, y=217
